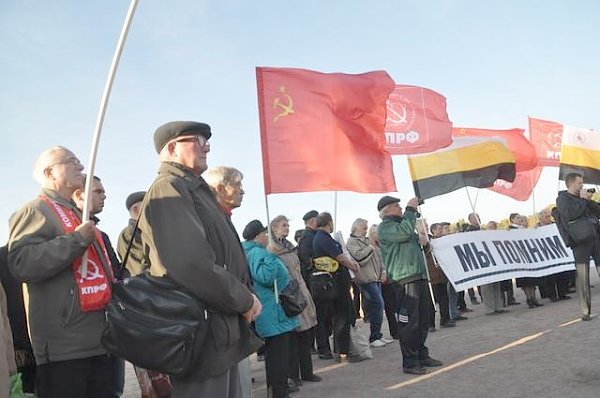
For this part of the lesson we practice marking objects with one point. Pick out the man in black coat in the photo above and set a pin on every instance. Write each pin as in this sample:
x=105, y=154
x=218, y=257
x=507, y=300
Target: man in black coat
x=576, y=210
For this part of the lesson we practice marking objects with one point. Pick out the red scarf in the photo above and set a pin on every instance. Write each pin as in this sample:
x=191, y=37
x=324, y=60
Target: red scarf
x=94, y=290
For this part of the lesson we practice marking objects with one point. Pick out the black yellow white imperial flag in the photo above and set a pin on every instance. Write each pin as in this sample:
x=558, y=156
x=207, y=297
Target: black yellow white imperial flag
x=468, y=161
x=580, y=154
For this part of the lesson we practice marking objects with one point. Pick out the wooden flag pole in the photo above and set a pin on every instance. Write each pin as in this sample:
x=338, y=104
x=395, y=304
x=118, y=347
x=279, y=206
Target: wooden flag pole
x=100, y=121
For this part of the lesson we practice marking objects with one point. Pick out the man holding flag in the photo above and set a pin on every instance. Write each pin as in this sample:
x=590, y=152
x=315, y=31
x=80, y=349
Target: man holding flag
x=405, y=266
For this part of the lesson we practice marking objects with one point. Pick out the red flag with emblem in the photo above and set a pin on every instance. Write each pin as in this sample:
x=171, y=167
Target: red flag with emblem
x=324, y=131
x=521, y=188
x=546, y=136
x=524, y=151
x=417, y=121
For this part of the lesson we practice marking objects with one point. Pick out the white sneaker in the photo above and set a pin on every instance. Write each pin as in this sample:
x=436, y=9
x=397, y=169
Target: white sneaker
x=377, y=343
x=386, y=341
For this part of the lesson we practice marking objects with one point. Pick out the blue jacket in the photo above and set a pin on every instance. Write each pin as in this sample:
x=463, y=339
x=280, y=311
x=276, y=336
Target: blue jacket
x=265, y=269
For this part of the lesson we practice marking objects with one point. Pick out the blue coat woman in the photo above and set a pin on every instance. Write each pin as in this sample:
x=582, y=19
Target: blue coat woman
x=272, y=324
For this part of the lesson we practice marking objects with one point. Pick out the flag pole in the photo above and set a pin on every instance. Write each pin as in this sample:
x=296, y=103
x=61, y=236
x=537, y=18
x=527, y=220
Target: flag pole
x=268, y=219
x=335, y=203
x=100, y=121
x=425, y=260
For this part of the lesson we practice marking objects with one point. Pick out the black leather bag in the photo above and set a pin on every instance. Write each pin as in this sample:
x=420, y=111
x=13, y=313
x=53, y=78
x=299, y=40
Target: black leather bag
x=154, y=324
x=582, y=230
x=291, y=298
x=323, y=287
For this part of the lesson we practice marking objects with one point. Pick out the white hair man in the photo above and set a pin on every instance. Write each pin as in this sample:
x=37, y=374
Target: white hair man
x=226, y=182
x=66, y=317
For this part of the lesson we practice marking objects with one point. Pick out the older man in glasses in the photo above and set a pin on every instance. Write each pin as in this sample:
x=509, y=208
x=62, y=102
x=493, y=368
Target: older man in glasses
x=188, y=238
x=66, y=317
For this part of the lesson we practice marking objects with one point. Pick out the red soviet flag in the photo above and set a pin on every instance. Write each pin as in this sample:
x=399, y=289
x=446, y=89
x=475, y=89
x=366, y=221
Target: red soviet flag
x=521, y=188
x=324, y=131
x=417, y=121
x=546, y=136
x=524, y=151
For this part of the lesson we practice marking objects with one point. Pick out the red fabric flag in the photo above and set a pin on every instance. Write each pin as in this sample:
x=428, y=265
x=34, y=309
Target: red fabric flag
x=546, y=136
x=524, y=151
x=324, y=131
x=521, y=188
x=417, y=121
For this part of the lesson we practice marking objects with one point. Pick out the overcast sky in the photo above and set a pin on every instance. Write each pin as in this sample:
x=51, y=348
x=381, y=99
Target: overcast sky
x=495, y=61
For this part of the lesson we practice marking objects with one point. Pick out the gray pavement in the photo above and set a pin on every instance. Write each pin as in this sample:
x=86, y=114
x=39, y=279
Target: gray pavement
x=543, y=352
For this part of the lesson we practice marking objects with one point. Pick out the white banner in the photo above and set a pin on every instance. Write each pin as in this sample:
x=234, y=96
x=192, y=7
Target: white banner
x=476, y=258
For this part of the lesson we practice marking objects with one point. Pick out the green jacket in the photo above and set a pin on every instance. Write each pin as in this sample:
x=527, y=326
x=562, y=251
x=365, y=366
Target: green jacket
x=400, y=248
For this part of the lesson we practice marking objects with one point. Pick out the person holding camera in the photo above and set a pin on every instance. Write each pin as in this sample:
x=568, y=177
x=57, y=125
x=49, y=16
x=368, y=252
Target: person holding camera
x=577, y=220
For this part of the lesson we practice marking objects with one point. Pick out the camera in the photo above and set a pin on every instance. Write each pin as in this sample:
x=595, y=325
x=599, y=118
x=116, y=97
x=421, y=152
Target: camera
x=592, y=190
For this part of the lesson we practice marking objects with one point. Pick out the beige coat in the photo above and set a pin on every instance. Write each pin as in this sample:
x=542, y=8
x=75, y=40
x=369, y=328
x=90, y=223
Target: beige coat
x=308, y=317
x=368, y=257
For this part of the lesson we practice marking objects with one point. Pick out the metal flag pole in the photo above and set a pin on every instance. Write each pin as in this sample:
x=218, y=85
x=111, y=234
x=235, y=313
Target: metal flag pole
x=100, y=121
x=335, y=203
x=424, y=226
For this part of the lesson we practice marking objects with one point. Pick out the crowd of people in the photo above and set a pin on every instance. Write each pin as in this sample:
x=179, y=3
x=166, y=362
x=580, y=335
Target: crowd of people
x=181, y=229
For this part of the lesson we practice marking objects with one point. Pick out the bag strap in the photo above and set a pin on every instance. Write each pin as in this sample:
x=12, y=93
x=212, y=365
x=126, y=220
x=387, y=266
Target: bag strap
x=124, y=263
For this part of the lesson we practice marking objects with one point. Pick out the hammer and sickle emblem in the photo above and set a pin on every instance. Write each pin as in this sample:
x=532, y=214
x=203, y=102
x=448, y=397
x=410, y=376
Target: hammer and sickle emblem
x=396, y=117
x=287, y=109
x=93, y=271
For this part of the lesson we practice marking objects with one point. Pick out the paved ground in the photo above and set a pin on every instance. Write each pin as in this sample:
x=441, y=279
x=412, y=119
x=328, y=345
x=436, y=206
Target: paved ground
x=544, y=352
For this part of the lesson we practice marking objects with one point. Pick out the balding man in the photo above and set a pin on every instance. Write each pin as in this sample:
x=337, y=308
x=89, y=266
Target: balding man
x=66, y=317
x=189, y=240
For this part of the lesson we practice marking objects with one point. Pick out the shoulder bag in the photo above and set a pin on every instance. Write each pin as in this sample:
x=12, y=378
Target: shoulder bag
x=291, y=298
x=155, y=324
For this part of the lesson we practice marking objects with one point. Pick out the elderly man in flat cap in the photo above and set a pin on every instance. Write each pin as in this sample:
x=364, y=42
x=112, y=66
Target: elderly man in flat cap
x=188, y=239
x=135, y=259
x=65, y=313
x=405, y=265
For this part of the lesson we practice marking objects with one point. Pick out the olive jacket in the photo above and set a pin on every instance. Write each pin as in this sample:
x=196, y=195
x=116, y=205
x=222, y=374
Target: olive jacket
x=186, y=237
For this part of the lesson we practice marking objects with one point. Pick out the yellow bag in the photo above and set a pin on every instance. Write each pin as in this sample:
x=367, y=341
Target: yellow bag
x=326, y=264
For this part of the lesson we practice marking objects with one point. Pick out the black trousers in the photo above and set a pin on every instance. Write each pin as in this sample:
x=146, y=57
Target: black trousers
x=389, y=305
x=300, y=360
x=412, y=311
x=277, y=358
x=76, y=378
x=336, y=315
x=440, y=294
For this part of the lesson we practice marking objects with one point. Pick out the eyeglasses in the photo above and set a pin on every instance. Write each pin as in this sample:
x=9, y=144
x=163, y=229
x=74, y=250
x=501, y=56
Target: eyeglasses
x=196, y=139
x=73, y=161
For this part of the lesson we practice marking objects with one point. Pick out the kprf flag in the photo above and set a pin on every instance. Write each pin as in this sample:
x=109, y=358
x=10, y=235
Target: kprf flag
x=468, y=161
x=521, y=188
x=417, y=121
x=546, y=137
x=580, y=154
x=519, y=145
x=324, y=131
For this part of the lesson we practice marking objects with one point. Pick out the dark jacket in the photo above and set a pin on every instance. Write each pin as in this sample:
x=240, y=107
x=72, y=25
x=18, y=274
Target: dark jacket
x=186, y=236
x=570, y=208
x=305, y=253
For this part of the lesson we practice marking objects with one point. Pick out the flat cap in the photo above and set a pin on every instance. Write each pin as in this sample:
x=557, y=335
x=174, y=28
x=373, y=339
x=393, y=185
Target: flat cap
x=133, y=198
x=386, y=200
x=168, y=131
x=252, y=230
x=309, y=215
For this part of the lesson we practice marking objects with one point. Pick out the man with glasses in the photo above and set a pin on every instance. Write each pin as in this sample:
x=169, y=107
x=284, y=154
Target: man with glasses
x=188, y=239
x=46, y=242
